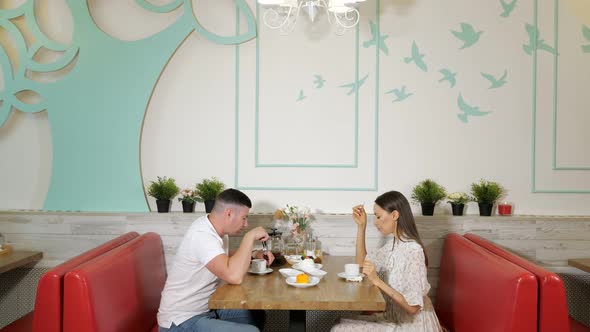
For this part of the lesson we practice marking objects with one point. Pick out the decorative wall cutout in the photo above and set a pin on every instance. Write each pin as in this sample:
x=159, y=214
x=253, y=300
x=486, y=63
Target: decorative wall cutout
x=417, y=58
x=507, y=7
x=319, y=81
x=377, y=40
x=467, y=35
x=401, y=94
x=355, y=86
x=448, y=76
x=468, y=110
x=96, y=111
x=496, y=82
x=535, y=42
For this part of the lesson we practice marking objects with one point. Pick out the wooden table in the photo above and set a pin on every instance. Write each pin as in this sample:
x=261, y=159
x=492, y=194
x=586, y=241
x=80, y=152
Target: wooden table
x=16, y=259
x=580, y=263
x=271, y=292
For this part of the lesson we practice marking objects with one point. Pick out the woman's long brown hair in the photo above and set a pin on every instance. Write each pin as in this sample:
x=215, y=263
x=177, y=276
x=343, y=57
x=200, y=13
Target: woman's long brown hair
x=406, y=226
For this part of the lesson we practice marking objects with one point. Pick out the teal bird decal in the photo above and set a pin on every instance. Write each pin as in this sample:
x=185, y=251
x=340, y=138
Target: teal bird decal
x=467, y=35
x=354, y=87
x=301, y=96
x=319, y=81
x=586, y=34
x=417, y=58
x=377, y=39
x=496, y=83
x=400, y=94
x=508, y=7
x=467, y=110
x=534, y=34
x=448, y=76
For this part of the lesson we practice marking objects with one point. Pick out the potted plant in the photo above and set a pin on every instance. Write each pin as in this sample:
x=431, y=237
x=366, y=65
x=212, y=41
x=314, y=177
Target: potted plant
x=163, y=191
x=458, y=200
x=188, y=198
x=207, y=190
x=485, y=193
x=428, y=193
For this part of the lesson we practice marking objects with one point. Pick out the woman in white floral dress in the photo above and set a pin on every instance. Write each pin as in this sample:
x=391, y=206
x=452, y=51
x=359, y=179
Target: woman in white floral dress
x=401, y=262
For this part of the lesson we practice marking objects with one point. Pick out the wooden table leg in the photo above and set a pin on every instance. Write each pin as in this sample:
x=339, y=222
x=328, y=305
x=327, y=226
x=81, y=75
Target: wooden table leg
x=297, y=320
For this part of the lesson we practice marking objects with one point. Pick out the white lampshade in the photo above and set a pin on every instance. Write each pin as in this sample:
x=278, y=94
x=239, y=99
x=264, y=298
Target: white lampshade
x=312, y=10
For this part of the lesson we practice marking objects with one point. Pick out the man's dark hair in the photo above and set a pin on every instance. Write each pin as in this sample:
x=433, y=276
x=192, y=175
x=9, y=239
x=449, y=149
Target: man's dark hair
x=233, y=196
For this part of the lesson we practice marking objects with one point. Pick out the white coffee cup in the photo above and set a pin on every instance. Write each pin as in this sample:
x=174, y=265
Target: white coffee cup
x=258, y=265
x=351, y=270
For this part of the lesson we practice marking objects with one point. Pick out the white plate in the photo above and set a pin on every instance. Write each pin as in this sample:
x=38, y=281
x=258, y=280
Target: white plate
x=299, y=267
x=268, y=270
x=344, y=276
x=312, y=282
x=289, y=272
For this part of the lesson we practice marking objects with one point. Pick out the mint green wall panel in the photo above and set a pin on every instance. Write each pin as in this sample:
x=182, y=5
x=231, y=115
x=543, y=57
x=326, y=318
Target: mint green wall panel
x=96, y=111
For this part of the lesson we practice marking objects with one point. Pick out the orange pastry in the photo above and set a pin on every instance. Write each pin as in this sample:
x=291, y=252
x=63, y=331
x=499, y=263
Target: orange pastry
x=302, y=278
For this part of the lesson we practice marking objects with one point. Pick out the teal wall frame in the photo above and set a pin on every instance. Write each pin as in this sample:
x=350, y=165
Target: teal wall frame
x=554, y=165
x=373, y=186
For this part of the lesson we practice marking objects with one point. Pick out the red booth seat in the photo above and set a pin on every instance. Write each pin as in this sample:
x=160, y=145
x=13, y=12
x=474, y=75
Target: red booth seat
x=118, y=291
x=552, y=303
x=479, y=291
x=47, y=315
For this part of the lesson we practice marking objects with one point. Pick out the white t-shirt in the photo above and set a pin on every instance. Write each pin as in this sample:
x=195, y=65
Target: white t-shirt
x=190, y=284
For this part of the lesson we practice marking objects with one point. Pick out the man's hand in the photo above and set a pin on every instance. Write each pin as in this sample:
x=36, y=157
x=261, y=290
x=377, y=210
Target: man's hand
x=260, y=254
x=257, y=234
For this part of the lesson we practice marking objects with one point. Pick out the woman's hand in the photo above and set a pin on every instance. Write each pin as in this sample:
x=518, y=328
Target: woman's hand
x=359, y=215
x=369, y=271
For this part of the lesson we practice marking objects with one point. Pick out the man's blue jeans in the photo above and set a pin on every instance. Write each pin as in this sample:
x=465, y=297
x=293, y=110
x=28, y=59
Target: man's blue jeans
x=221, y=320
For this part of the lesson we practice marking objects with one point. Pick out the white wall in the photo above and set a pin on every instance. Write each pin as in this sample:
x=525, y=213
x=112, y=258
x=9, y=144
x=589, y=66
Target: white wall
x=189, y=130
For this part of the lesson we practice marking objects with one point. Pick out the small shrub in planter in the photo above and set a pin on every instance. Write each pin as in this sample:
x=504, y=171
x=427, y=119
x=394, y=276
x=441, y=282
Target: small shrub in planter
x=163, y=190
x=486, y=193
x=428, y=193
x=207, y=190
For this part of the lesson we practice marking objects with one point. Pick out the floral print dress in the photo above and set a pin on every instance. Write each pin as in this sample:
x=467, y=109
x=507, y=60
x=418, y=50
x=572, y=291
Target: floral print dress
x=401, y=265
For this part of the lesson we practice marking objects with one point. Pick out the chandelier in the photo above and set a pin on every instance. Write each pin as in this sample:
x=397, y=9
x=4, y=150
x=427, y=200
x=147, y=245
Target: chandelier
x=283, y=14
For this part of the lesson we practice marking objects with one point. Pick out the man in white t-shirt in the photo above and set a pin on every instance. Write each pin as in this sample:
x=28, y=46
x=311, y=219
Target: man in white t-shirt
x=201, y=264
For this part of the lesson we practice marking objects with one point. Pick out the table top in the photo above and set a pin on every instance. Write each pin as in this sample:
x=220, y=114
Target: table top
x=270, y=291
x=17, y=258
x=580, y=263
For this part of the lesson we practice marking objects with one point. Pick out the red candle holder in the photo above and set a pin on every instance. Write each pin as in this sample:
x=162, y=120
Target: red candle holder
x=505, y=209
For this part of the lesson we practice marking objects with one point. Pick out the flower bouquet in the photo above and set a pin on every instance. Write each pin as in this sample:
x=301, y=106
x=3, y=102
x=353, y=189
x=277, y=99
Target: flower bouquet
x=458, y=200
x=298, y=220
x=188, y=197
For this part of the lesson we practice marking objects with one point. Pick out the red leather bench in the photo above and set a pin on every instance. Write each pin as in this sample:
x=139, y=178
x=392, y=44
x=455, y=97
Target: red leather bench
x=552, y=304
x=47, y=314
x=479, y=291
x=118, y=291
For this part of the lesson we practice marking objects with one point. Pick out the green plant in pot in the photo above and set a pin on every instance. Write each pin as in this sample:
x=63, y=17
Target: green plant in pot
x=458, y=201
x=428, y=193
x=163, y=190
x=207, y=190
x=486, y=193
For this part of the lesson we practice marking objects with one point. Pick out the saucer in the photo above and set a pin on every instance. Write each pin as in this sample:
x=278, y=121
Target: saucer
x=344, y=276
x=291, y=281
x=268, y=270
